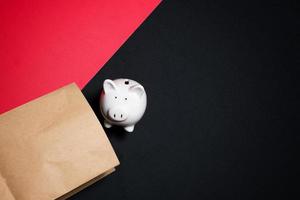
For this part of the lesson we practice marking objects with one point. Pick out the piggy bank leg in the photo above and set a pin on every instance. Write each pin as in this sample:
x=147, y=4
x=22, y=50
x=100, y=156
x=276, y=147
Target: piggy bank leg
x=106, y=124
x=129, y=128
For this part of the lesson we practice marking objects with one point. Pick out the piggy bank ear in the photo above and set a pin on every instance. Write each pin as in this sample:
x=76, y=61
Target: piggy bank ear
x=109, y=85
x=138, y=89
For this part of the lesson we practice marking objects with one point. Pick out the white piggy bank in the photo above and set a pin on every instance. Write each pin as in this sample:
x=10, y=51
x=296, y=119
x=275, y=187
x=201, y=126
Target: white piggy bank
x=123, y=103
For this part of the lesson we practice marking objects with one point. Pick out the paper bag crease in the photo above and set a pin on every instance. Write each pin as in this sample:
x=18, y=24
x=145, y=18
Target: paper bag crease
x=52, y=146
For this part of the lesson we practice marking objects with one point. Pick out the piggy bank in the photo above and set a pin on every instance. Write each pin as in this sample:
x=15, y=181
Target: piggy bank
x=122, y=103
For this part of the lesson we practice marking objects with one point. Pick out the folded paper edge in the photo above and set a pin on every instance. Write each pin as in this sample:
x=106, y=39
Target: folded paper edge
x=85, y=185
x=6, y=189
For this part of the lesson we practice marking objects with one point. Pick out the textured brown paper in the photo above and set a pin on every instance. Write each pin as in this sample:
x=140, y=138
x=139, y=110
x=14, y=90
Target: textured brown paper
x=52, y=147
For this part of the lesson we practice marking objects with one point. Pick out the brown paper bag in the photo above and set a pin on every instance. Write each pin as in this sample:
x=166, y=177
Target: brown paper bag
x=52, y=147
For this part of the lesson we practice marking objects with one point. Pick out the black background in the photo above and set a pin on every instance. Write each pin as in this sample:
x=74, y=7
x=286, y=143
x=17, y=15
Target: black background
x=221, y=104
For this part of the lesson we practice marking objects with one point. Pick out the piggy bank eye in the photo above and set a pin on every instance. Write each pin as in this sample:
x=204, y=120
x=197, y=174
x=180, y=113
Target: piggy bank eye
x=116, y=97
x=125, y=98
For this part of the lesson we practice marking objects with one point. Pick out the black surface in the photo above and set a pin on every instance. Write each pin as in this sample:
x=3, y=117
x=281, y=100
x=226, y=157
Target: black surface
x=221, y=104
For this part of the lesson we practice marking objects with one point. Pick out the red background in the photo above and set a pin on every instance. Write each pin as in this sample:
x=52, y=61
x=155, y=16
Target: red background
x=45, y=45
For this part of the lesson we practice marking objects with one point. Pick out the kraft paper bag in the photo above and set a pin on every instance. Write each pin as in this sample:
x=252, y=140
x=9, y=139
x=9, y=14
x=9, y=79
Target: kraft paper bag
x=52, y=147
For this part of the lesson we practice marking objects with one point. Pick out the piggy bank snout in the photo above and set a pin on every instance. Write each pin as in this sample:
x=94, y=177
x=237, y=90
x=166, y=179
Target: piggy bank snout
x=117, y=114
